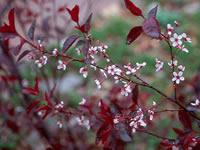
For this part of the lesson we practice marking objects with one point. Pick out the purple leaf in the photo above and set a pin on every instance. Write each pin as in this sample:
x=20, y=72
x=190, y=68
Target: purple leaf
x=185, y=119
x=85, y=28
x=151, y=28
x=32, y=30
x=133, y=34
x=135, y=93
x=69, y=41
x=23, y=54
x=18, y=48
x=153, y=12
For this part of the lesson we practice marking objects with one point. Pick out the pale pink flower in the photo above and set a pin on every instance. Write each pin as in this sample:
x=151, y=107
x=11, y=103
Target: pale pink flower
x=178, y=77
x=176, y=40
x=159, y=65
x=186, y=38
x=84, y=71
x=170, y=29
x=42, y=61
x=61, y=65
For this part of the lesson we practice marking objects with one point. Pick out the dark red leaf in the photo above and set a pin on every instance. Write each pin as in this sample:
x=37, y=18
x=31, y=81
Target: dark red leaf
x=9, y=78
x=151, y=28
x=103, y=106
x=153, y=12
x=32, y=91
x=85, y=28
x=69, y=41
x=167, y=143
x=133, y=8
x=185, y=119
x=10, y=27
x=31, y=30
x=13, y=126
x=23, y=54
x=135, y=93
x=103, y=134
x=133, y=34
x=32, y=105
x=74, y=13
x=179, y=132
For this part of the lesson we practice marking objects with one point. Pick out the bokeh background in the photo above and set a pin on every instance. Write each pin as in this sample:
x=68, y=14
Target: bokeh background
x=110, y=24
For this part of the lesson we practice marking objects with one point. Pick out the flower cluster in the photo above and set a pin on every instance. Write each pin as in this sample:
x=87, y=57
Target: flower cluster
x=59, y=105
x=130, y=69
x=177, y=71
x=177, y=40
x=95, y=52
x=137, y=121
x=82, y=121
x=126, y=89
x=151, y=111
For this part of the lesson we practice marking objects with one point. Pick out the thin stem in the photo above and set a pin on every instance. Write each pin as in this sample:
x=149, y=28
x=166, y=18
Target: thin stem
x=153, y=134
x=173, y=69
x=165, y=110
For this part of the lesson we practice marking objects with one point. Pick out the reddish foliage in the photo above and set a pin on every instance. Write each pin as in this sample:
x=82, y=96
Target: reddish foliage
x=133, y=34
x=74, y=13
x=133, y=8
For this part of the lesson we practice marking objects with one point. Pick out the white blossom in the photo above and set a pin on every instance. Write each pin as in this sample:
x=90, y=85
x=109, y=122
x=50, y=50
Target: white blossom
x=170, y=29
x=98, y=83
x=140, y=65
x=82, y=121
x=186, y=38
x=104, y=73
x=55, y=52
x=78, y=51
x=59, y=123
x=115, y=120
x=82, y=102
x=126, y=90
x=84, y=71
x=173, y=64
x=130, y=69
x=177, y=77
x=61, y=65
x=60, y=105
x=176, y=40
x=182, y=48
x=114, y=70
x=42, y=61
x=196, y=103
x=137, y=121
x=159, y=65
x=181, y=68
